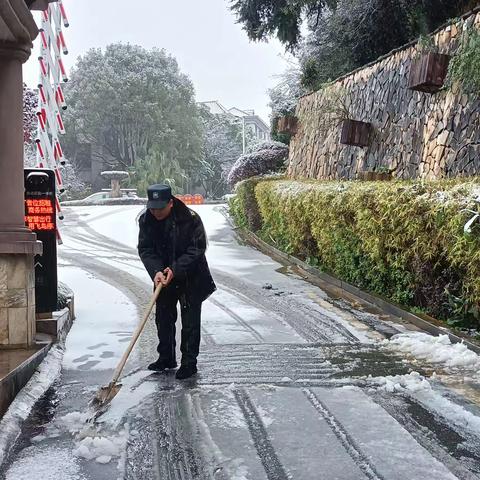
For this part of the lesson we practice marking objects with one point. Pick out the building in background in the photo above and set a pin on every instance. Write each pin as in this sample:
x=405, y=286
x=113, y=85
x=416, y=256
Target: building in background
x=254, y=123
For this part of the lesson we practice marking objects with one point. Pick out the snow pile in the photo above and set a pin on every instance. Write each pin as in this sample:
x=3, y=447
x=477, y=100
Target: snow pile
x=412, y=383
x=74, y=422
x=41, y=381
x=423, y=392
x=436, y=350
x=101, y=448
x=91, y=443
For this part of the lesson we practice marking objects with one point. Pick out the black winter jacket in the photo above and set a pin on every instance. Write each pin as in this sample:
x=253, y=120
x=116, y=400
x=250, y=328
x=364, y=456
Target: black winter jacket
x=186, y=242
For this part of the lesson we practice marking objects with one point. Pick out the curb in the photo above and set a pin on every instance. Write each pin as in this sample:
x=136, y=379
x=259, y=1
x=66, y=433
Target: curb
x=11, y=384
x=431, y=325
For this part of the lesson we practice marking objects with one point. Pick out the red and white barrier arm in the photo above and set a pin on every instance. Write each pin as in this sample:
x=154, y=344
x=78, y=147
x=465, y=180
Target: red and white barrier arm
x=50, y=104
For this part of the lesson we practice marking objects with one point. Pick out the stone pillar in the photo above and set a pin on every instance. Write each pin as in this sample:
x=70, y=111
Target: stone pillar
x=116, y=188
x=18, y=245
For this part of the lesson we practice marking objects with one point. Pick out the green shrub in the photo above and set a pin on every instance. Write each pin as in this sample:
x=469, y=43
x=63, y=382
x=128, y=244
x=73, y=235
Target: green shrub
x=243, y=207
x=402, y=240
x=465, y=65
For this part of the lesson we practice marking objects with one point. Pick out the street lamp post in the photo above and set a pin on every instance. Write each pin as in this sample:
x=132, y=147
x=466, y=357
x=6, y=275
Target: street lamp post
x=244, y=142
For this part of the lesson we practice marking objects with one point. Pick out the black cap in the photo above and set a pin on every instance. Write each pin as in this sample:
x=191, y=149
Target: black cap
x=158, y=196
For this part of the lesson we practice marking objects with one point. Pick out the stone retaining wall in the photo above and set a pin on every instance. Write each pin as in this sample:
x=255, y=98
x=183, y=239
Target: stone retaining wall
x=415, y=134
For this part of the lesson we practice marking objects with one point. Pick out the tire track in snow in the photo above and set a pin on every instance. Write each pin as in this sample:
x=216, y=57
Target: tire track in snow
x=177, y=458
x=451, y=448
x=270, y=461
x=103, y=239
x=318, y=319
x=306, y=322
x=299, y=325
x=93, y=241
x=207, y=338
x=238, y=318
x=360, y=459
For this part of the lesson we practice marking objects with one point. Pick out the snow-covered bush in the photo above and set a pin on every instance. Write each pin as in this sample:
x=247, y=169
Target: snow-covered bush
x=269, y=157
x=30, y=105
x=65, y=294
x=268, y=145
x=75, y=187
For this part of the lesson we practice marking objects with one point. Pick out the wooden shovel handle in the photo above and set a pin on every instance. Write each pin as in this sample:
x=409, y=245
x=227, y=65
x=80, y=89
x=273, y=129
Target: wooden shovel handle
x=138, y=331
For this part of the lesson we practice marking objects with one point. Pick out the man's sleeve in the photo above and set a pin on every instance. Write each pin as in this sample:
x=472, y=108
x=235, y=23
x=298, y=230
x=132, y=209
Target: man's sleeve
x=194, y=252
x=146, y=250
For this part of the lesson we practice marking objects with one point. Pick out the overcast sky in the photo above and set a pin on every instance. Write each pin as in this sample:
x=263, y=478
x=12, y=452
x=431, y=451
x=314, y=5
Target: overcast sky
x=202, y=34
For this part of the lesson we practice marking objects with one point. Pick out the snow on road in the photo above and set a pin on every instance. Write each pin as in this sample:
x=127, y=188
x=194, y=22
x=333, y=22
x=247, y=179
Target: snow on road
x=436, y=350
x=291, y=386
x=106, y=322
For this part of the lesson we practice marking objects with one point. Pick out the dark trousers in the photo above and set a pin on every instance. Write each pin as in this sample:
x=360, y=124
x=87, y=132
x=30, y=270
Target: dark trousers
x=166, y=317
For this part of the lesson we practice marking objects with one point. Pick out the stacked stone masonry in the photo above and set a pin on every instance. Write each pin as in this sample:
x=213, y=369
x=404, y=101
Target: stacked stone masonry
x=17, y=301
x=415, y=134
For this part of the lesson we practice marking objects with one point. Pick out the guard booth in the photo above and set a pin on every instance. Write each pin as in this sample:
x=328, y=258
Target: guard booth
x=41, y=218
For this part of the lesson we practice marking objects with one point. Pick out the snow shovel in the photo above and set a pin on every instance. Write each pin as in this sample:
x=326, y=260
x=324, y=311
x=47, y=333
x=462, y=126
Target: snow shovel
x=105, y=395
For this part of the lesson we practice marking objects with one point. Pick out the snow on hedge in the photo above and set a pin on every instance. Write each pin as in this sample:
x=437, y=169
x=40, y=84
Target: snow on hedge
x=268, y=145
x=267, y=158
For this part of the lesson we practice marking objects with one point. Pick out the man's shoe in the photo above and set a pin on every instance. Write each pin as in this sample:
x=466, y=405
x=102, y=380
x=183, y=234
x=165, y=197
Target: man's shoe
x=161, y=365
x=186, y=371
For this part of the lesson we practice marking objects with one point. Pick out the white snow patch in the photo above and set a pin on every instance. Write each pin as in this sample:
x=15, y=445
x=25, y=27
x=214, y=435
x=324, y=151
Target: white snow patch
x=92, y=442
x=235, y=468
x=45, y=463
x=103, y=349
x=133, y=392
x=222, y=415
x=41, y=381
x=116, y=222
x=436, y=350
x=101, y=448
x=420, y=389
x=267, y=417
x=413, y=382
x=74, y=422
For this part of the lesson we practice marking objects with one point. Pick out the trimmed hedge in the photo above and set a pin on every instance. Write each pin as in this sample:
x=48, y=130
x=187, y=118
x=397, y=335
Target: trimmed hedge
x=402, y=240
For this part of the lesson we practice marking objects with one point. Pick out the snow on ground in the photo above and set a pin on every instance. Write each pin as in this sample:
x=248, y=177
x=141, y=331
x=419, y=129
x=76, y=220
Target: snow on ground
x=435, y=350
x=105, y=321
x=32, y=465
x=410, y=383
x=422, y=390
x=118, y=223
x=134, y=392
x=442, y=353
x=90, y=441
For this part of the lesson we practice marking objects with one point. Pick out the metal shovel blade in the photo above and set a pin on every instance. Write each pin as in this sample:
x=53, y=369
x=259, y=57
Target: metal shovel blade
x=106, y=394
